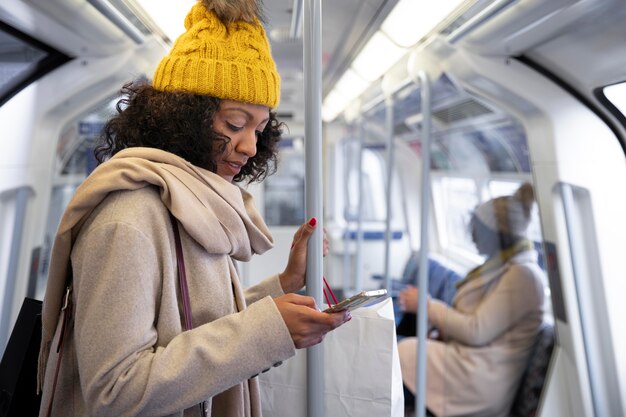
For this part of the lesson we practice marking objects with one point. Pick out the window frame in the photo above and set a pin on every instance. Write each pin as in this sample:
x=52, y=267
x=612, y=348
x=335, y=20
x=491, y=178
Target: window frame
x=50, y=62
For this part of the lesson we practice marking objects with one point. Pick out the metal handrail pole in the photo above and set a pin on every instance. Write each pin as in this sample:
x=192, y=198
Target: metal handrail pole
x=312, y=39
x=115, y=16
x=422, y=312
x=296, y=20
x=346, y=238
x=389, y=160
x=358, y=276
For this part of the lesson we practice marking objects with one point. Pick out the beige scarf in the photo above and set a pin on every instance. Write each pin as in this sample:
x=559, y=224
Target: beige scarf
x=200, y=200
x=496, y=261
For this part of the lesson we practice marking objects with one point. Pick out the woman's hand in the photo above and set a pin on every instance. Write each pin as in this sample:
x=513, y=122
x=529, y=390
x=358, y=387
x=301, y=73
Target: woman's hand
x=293, y=277
x=408, y=299
x=307, y=325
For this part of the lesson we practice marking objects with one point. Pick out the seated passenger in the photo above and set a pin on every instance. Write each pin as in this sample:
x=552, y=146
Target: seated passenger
x=487, y=334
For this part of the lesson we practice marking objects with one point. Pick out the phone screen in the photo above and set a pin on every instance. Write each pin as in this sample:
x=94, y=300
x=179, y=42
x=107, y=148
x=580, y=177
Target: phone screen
x=362, y=299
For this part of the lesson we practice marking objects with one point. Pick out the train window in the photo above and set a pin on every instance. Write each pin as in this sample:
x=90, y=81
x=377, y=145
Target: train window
x=616, y=93
x=17, y=57
x=75, y=149
x=454, y=199
x=373, y=183
x=500, y=148
x=373, y=209
x=497, y=188
x=495, y=154
x=513, y=138
x=284, y=191
x=464, y=155
x=344, y=169
x=22, y=60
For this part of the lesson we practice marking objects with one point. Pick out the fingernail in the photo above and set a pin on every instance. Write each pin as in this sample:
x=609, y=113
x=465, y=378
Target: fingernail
x=313, y=221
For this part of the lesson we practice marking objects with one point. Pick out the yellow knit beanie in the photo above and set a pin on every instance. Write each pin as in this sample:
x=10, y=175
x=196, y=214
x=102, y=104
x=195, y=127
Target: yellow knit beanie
x=223, y=53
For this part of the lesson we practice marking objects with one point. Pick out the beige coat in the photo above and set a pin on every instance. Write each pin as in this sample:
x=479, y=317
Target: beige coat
x=127, y=354
x=488, y=336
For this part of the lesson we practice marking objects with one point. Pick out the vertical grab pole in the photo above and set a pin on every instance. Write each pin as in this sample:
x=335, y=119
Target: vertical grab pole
x=312, y=39
x=422, y=313
x=390, y=159
x=358, y=276
x=346, y=238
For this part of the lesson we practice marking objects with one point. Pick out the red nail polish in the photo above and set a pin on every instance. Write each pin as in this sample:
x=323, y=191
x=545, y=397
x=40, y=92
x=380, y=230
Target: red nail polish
x=313, y=221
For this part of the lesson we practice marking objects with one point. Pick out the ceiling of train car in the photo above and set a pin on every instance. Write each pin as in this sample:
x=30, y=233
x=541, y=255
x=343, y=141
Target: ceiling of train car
x=346, y=25
x=579, y=54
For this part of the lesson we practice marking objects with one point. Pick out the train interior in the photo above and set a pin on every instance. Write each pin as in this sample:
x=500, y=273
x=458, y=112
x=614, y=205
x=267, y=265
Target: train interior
x=520, y=91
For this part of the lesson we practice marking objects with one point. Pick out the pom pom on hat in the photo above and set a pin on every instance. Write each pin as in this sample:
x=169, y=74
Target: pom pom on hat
x=508, y=214
x=233, y=10
x=224, y=52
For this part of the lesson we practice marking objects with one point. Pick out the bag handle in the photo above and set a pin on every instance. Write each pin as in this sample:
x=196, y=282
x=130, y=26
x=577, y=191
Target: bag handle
x=184, y=289
x=67, y=315
x=182, y=276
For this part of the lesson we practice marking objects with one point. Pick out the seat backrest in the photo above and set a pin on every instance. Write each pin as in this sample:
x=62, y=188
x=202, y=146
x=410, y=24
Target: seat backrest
x=528, y=394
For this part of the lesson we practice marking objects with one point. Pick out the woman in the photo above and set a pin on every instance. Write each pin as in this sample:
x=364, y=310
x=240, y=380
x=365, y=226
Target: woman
x=178, y=146
x=487, y=334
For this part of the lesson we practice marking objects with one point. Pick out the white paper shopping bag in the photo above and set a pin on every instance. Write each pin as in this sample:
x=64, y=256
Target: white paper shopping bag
x=361, y=371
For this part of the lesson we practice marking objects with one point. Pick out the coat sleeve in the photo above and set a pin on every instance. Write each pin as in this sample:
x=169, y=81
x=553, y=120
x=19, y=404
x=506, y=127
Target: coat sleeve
x=518, y=293
x=123, y=369
x=270, y=286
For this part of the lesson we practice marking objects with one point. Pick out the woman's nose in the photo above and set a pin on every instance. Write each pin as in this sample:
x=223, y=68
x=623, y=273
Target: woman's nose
x=247, y=144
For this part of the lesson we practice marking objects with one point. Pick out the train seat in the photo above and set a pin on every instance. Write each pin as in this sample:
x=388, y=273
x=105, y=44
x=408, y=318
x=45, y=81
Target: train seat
x=528, y=394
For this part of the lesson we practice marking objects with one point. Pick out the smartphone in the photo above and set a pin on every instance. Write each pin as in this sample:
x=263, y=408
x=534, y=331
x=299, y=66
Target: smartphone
x=362, y=299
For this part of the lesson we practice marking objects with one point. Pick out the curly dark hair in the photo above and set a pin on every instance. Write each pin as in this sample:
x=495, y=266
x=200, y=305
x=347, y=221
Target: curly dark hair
x=181, y=123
